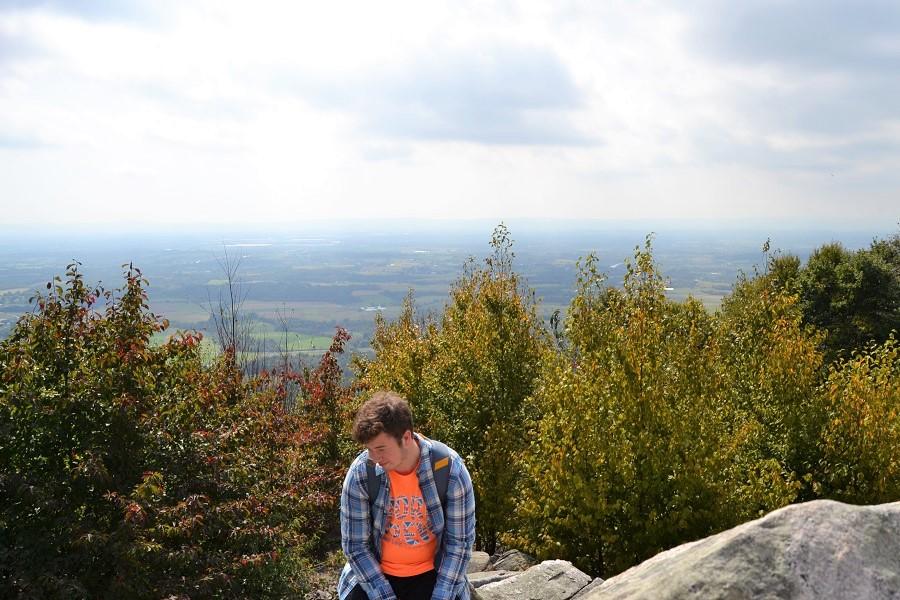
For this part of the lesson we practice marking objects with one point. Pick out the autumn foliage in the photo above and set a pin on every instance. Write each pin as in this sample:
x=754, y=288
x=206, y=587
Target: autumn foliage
x=128, y=470
x=632, y=425
x=468, y=376
x=676, y=435
x=649, y=422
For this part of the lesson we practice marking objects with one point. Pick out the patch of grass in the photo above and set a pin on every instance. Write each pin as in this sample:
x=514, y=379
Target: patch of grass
x=296, y=341
x=179, y=312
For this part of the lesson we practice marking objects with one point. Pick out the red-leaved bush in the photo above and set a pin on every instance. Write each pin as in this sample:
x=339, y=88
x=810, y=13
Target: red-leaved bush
x=134, y=470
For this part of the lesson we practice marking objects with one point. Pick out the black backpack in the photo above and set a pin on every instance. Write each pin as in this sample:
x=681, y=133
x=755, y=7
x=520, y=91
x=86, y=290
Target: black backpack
x=440, y=468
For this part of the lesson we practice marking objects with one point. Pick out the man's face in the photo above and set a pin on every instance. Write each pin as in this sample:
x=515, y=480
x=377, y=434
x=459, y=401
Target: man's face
x=387, y=451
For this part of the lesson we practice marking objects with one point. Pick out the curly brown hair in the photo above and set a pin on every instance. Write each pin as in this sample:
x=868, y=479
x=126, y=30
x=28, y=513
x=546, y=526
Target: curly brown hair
x=385, y=411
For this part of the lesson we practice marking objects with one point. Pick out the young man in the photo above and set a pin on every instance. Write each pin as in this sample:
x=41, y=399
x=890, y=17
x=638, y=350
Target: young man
x=408, y=546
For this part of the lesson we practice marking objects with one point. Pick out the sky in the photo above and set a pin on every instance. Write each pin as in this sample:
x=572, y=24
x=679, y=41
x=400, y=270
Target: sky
x=123, y=113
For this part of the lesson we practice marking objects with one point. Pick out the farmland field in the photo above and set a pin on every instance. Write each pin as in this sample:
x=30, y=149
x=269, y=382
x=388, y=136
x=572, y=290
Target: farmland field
x=304, y=285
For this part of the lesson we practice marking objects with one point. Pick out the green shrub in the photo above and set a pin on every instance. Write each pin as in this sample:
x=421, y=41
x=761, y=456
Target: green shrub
x=860, y=445
x=128, y=470
x=468, y=377
x=771, y=369
x=640, y=444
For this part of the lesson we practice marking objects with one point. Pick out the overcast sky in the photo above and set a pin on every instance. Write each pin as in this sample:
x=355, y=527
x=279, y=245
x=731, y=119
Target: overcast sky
x=214, y=111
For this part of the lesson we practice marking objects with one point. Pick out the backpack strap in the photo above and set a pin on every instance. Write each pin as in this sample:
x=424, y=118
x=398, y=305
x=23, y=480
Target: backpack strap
x=440, y=469
x=373, y=482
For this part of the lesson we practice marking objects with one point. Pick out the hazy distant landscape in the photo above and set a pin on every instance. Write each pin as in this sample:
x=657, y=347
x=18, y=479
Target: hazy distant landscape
x=315, y=281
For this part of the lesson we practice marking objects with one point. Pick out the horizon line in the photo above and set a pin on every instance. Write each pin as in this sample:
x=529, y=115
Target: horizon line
x=390, y=224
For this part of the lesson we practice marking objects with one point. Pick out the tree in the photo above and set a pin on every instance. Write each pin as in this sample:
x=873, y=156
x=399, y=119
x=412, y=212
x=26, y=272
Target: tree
x=854, y=296
x=469, y=375
x=234, y=328
x=326, y=402
x=134, y=470
x=771, y=365
x=639, y=444
x=860, y=460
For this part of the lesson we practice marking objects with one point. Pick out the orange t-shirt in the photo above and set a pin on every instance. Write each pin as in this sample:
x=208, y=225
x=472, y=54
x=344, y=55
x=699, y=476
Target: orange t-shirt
x=408, y=545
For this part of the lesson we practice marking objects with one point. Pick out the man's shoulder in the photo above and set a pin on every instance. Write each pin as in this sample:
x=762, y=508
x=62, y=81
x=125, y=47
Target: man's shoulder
x=431, y=443
x=357, y=468
x=359, y=463
x=361, y=459
x=453, y=454
x=457, y=464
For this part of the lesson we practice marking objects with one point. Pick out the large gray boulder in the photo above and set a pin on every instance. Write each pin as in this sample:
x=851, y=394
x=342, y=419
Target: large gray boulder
x=586, y=590
x=814, y=551
x=481, y=578
x=478, y=562
x=550, y=580
x=514, y=560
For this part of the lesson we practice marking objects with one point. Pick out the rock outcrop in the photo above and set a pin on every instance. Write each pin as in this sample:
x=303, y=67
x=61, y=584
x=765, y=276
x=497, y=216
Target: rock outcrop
x=479, y=561
x=814, y=551
x=819, y=550
x=581, y=595
x=485, y=577
x=513, y=560
x=550, y=580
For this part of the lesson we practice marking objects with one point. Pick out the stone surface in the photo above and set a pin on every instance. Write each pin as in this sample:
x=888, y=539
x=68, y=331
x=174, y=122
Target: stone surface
x=550, y=580
x=814, y=551
x=597, y=582
x=513, y=560
x=484, y=577
x=478, y=562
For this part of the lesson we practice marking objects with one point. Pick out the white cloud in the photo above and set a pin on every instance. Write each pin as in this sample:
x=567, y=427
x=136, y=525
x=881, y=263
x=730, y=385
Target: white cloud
x=227, y=111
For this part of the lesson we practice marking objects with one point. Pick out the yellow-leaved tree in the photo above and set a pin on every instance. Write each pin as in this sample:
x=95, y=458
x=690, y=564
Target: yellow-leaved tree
x=468, y=373
x=860, y=445
x=772, y=368
x=639, y=445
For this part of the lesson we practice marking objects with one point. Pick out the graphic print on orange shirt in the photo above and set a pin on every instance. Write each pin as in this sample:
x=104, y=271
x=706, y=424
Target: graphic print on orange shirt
x=409, y=544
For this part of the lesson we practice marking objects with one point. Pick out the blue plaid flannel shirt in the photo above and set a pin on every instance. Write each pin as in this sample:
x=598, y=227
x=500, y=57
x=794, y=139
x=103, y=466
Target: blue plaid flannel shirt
x=361, y=540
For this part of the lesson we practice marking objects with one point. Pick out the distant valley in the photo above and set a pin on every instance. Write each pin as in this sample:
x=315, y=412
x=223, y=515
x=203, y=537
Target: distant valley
x=298, y=288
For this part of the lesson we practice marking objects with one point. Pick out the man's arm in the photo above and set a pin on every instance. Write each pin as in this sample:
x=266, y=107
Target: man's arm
x=459, y=532
x=356, y=525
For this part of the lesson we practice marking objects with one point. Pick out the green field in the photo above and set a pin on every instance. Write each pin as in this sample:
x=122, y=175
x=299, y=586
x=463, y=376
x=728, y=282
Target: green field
x=314, y=288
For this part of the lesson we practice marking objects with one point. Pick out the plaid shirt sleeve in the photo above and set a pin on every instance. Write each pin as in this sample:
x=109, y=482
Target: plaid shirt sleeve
x=459, y=533
x=355, y=534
